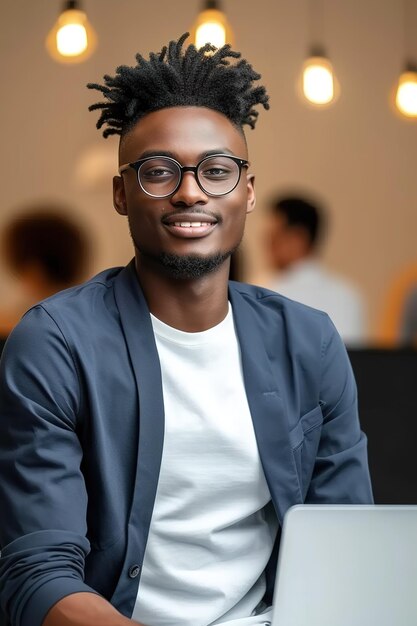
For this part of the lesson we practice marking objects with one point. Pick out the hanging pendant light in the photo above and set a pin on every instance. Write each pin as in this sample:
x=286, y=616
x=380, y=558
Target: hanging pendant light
x=72, y=38
x=405, y=91
x=212, y=26
x=319, y=85
x=406, y=94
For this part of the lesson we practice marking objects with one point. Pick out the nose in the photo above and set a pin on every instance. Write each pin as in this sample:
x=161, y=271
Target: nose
x=189, y=192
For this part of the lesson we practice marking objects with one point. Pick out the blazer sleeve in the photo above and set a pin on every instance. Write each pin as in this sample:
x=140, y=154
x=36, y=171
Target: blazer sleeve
x=341, y=472
x=43, y=498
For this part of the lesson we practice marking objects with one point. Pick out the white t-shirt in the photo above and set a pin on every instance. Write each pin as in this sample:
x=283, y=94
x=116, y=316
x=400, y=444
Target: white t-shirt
x=212, y=529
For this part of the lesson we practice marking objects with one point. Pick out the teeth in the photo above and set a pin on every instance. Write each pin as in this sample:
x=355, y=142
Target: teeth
x=191, y=224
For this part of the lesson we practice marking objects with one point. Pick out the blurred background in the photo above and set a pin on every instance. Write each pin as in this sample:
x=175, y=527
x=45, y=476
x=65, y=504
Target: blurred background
x=358, y=155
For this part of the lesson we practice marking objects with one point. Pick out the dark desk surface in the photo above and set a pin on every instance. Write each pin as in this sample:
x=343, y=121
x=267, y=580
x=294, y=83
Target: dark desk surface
x=387, y=395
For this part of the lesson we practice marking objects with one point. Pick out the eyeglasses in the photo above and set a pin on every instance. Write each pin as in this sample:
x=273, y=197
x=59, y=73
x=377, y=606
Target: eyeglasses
x=160, y=176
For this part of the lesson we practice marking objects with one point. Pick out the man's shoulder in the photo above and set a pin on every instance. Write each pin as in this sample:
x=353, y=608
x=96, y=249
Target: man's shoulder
x=263, y=297
x=79, y=310
x=73, y=317
x=281, y=323
x=274, y=312
x=83, y=294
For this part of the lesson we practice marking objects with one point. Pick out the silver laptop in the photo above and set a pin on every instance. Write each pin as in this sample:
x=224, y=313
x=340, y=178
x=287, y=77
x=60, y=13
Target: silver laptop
x=347, y=565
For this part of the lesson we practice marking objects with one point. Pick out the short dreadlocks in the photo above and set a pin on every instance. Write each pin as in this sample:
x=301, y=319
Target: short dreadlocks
x=177, y=77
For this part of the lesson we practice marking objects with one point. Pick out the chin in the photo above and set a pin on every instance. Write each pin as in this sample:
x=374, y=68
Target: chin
x=191, y=266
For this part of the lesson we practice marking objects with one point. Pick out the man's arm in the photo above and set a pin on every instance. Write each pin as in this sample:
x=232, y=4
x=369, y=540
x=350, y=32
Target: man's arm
x=42, y=488
x=341, y=472
x=85, y=609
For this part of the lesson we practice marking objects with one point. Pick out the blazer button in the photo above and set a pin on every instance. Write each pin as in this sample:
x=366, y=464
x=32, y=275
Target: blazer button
x=134, y=571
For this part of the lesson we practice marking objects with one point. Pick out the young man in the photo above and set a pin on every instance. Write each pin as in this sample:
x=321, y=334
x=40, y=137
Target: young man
x=157, y=422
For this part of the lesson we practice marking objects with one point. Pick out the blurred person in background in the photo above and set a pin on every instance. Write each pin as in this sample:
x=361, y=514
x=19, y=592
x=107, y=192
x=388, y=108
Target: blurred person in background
x=45, y=252
x=295, y=229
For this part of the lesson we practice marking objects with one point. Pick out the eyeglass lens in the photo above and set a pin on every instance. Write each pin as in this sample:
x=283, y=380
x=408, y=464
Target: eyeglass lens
x=216, y=175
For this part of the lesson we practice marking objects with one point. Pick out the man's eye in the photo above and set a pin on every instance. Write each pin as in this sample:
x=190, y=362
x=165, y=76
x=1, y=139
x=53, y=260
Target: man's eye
x=157, y=172
x=215, y=172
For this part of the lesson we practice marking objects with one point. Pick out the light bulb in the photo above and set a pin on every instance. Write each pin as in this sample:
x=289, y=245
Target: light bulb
x=318, y=81
x=211, y=27
x=210, y=32
x=406, y=96
x=71, y=39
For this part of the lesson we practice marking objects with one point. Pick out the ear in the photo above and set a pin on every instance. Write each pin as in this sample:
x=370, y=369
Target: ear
x=251, y=197
x=119, y=195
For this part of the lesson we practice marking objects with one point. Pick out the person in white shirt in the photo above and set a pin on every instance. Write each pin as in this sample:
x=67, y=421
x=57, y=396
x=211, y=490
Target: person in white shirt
x=294, y=233
x=157, y=422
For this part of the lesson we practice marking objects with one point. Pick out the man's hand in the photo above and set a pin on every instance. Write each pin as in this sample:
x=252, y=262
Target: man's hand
x=85, y=609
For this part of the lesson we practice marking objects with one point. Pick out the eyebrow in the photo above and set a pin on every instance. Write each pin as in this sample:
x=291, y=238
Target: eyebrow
x=203, y=155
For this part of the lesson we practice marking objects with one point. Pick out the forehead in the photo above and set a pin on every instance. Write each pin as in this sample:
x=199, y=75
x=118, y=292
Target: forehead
x=186, y=132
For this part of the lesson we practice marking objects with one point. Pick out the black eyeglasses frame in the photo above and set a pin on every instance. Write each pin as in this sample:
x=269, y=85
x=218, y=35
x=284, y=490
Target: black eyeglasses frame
x=136, y=165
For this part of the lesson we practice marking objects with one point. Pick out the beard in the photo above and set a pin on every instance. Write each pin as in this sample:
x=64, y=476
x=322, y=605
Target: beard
x=191, y=266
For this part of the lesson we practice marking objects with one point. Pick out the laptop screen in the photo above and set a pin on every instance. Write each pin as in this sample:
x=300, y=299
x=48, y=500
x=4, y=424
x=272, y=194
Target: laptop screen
x=347, y=565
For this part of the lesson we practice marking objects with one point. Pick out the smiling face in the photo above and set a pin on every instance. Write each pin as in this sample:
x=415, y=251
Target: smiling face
x=189, y=232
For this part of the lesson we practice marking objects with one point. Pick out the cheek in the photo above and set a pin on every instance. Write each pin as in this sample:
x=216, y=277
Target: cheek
x=237, y=210
x=142, y=211
x=140, y=225
x=135, y=197
x=234, y=224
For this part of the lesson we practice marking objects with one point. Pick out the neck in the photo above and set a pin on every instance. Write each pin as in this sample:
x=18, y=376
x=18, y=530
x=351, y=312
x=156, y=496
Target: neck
x=191, y=305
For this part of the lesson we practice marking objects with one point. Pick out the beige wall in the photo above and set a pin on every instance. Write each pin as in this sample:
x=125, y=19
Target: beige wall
x=358, y=155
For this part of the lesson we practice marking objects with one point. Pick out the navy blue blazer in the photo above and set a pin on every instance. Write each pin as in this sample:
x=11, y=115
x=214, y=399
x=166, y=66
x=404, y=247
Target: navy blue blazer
x=82, y=424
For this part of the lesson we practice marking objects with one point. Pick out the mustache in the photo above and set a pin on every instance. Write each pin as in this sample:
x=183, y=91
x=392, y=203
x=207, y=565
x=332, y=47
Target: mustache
x=191, y=211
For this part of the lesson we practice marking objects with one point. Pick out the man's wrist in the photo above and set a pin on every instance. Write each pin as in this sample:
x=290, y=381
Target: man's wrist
x=85, y=609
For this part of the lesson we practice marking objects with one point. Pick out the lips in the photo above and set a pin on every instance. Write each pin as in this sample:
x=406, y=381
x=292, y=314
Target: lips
x=188, y=218
x=190, y=225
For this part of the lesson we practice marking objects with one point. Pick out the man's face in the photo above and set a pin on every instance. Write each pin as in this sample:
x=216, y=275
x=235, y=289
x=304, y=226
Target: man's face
x=186, y=134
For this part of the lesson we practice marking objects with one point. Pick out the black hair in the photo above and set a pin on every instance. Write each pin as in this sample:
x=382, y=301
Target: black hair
x=44, y=237
x=302, y=213
x=177, y=77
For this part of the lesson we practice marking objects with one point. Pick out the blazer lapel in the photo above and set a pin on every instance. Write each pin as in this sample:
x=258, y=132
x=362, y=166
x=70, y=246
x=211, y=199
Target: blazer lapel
x=137, y=327
x=266, y=405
